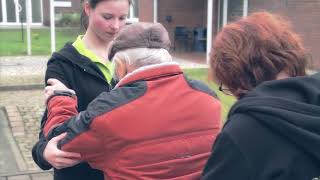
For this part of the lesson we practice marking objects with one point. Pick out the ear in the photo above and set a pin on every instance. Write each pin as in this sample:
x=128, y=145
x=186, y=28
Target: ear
x=87, y=8
x=121, y=69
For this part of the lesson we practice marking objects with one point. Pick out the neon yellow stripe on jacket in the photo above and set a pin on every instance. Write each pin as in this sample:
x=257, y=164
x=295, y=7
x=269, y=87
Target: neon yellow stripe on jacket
x=106, y=68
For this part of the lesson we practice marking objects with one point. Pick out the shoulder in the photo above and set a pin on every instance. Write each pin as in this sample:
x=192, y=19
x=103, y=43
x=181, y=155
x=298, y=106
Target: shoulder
x=253, y=138
x=68, y=52
x=226, y=155
x=61, y=59
x=244, y=130
x=200, y=86
x=107, y=101
x=60, y=64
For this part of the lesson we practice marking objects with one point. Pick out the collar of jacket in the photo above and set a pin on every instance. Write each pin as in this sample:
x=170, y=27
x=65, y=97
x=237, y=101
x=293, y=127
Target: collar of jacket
x=69, y=53
x=151, y=72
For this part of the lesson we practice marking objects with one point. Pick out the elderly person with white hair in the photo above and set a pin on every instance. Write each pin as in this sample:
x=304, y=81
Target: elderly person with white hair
x=155, y=124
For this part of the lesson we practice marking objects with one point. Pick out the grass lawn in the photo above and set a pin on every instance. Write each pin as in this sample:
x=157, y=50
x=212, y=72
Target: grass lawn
x=11, y=42
x=202, y=75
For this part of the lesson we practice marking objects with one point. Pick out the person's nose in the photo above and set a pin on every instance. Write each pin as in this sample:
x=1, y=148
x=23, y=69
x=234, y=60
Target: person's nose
x=115, y=25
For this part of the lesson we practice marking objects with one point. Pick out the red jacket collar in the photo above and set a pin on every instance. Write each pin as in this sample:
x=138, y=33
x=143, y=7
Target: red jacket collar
x=150, y=72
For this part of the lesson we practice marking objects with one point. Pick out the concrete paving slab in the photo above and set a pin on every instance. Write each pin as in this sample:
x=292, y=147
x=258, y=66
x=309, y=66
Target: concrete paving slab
x=28, y=175
x=42, y=176
x=20, y=177
x=8, y=163
x=22, y=70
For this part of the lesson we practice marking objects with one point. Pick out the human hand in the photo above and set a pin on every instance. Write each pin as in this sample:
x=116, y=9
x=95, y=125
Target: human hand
x=57, y=158
x=54, y=86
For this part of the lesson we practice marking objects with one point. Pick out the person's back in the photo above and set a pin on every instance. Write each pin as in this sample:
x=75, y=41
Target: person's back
x=280, y=134
x=152, y=127
x=167, y=133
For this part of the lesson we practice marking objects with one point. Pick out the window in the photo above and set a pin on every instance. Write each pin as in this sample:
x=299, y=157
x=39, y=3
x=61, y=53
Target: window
x=1, y=11
x=36, y=11
x=134, y=11
x=235, y=10
x=231, y=10
x=11, y=11
x=23, y=12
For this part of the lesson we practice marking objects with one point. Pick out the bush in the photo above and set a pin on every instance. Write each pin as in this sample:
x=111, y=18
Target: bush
x=68, y=19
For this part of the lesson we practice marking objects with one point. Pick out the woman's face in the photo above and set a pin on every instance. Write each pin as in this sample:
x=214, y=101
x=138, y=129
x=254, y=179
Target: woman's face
x=106, y=19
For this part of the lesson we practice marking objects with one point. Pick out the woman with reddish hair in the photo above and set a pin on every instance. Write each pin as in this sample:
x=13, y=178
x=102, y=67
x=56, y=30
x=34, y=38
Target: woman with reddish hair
x=273, y=131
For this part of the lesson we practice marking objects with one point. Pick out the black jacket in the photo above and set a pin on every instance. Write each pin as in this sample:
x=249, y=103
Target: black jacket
x=79, y=73
x=272, y=133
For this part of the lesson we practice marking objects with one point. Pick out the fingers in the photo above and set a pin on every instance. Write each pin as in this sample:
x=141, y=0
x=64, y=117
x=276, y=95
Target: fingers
x=64, y=162
x=54, y=84
x=58, y=138
x=48, y=91
x=71, y=155
x=64, y=154
x=72, y=91
x=58, y=158
x=63, y=159
x=53, y=81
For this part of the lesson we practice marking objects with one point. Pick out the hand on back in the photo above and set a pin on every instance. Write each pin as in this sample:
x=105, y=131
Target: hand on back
x=57, y=158
x=55, y=85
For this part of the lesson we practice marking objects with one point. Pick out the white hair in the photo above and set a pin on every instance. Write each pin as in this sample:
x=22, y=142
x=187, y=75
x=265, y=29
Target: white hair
x=139, y=57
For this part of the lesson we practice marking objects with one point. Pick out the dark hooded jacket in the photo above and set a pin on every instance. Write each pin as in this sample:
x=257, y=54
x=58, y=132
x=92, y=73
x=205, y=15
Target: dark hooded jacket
x=272, y=133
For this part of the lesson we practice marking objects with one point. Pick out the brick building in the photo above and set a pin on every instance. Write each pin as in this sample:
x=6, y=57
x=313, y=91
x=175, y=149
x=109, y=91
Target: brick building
x=304, y=15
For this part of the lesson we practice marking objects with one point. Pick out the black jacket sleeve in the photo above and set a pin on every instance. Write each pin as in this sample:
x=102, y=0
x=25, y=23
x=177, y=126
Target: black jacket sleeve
x=54, y=70
x=38, y=148
x=226, y=161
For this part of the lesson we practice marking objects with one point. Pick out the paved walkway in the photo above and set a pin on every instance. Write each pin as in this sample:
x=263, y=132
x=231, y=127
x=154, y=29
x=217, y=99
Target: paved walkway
x=28, y=175
x=22, y=70
x=20, y=114
x=29, y=70
x=21, y=107
x=7, y=154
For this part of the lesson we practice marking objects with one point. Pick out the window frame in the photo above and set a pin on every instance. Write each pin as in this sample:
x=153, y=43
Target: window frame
x=133, y=17
x=223, y=7
x=4, y=14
